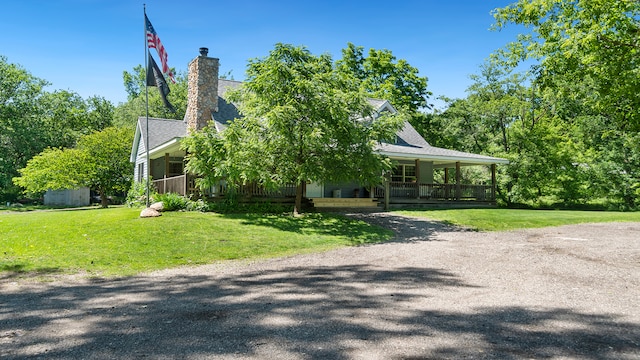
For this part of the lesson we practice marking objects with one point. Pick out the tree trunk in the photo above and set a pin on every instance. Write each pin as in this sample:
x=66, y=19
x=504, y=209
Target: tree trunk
x=297, y=208
x=104, y=201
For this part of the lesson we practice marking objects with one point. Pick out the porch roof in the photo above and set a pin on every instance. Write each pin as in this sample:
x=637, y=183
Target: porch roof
x=162, y=132
x=410, y=145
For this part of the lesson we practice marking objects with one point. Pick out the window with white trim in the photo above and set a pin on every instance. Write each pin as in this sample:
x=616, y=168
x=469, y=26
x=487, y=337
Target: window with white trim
x=404, y=173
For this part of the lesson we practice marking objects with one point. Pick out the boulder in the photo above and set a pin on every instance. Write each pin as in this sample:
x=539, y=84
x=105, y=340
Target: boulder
x=158, y=206
x=149, y=212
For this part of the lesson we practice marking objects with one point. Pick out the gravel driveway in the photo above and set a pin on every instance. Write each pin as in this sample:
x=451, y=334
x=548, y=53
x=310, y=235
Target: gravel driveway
x=570, y=292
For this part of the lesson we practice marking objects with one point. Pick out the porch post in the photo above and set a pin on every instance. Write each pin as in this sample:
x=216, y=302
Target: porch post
x=417, y=178
x=446, y=183
x=166, y=165
x=493, y=182
x=387, y=191
x=458, y=175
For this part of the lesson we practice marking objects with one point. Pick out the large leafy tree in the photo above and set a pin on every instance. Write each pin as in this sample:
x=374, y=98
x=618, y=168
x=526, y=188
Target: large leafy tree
x=383, y=76
x=21, y=128
x=126, y=114
x=503, y=117
x=100, y=161
x=302, y=120
x=596, y=40
x=32, y=119
x=588, y=65
x=67, y=116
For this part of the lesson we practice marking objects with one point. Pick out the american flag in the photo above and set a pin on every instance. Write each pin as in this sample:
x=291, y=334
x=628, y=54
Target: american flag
x=153, y=41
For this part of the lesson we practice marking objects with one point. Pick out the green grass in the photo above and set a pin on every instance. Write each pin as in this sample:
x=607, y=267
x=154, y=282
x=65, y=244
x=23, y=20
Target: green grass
x=509, y=219
x=115, y=241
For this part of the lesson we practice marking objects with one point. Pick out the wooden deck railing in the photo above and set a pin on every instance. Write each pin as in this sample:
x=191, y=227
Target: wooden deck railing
x=182, y=184
x=185, y=185
x=404, y=190
x=255, y=190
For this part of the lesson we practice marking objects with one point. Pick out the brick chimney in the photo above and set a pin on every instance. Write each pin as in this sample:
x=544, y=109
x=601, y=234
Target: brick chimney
x=202, y=96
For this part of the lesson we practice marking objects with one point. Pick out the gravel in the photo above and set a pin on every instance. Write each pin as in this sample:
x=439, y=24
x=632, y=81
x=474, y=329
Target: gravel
x=435, y=291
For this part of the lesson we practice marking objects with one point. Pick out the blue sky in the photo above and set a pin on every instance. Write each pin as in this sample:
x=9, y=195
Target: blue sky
x=85, y=45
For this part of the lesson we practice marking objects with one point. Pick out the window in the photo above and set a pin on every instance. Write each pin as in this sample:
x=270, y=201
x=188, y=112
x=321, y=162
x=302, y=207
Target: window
x=404, y=173
x=176, y=167
x=140, y=172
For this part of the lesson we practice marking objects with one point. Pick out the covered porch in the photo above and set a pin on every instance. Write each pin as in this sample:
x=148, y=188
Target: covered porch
x=413, y=182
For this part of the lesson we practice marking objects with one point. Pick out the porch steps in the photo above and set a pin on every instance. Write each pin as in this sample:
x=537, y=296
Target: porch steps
x=354, y=203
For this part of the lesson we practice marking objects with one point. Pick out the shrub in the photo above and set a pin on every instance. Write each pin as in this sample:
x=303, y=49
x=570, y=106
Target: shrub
x=258, y=207
x=137, y=195
x=172, y=201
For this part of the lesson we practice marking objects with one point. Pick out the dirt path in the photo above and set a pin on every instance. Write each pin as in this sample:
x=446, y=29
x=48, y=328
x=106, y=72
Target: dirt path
x=435, y=292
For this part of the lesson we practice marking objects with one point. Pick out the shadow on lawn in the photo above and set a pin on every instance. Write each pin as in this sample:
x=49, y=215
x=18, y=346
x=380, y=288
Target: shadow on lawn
x=13, y=270
x=371, y=227
x=309, y=312
x=357, y=232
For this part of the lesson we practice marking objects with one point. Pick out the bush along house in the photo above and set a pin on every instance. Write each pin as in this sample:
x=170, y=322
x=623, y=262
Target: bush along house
x=422, y=174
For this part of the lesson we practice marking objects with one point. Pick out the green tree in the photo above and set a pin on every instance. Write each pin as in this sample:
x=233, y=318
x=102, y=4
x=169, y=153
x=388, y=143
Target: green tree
x=383, y=76
x=302, y=121
x=502, y=117
x=126, y=114
x=67, y=116
x=588, y=62
x=100, y=161
x=22, y=132
x=32, y=119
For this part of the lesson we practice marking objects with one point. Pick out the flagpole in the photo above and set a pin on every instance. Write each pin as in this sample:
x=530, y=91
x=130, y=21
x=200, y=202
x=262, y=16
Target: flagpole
x=146, y=93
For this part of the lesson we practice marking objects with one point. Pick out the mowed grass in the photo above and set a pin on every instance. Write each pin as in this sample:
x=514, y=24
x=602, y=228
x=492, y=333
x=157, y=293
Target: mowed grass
x=509, y=219
x=115, y=241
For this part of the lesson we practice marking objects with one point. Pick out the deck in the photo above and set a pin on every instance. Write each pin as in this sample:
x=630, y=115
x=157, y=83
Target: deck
x=400, y=194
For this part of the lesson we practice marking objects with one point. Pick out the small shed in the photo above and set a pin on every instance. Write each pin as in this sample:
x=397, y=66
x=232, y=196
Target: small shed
x=67, y=197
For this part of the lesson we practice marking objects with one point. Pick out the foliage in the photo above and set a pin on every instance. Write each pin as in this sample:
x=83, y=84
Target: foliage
x=116, y=241
x=172, y=201
x=302, y=120
x=231, y=206
x=100, y=161
x=137, y=194
x=595, y=41
x=382, y=76
x=32, y=119
x=588, y=79
x=21, y=131
x=509, y=219
x=126, y=114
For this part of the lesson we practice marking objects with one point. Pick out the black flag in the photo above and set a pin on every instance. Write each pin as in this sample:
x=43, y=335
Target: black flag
x=155, y=78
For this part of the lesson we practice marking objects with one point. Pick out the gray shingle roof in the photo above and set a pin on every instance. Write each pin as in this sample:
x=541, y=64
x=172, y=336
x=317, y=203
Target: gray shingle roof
x=410, y=144
x=161, y=130
x=226, y=110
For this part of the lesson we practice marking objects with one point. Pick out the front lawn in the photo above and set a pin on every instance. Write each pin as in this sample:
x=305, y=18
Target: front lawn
x=509, y=219
x=115, y=241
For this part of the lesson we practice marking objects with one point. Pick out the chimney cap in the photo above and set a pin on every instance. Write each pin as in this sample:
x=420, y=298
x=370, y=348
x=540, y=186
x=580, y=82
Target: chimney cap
x=204, y=51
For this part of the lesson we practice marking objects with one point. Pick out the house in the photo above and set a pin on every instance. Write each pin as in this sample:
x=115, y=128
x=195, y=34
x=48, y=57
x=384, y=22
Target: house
x=411, y=182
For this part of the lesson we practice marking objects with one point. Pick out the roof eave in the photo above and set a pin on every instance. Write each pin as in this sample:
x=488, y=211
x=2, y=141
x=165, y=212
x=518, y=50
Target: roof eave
x=136, y=145
x=467, y=160
x=164, y=146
